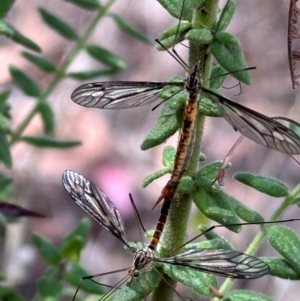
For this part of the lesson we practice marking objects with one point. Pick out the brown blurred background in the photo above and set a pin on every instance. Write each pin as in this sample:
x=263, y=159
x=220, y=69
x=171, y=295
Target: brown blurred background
x=110, y=155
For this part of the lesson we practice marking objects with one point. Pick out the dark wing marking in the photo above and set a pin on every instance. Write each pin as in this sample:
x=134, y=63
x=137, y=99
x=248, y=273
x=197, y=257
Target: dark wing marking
x=257, y=127
x=228, y=263
x=119, y=95
x=95, y=202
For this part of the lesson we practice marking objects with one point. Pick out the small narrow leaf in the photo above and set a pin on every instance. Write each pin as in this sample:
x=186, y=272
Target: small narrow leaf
x=123, y=25
x=76, y=240
x=156, y=175
x=140, y=287
x=186, y=185
x=46, y=249
x=88, y=75
x=168, y=156
x=49, y=288
x=5, y=7
x=58, y=25
x=87, y=4
x=50, y=142
x=4, y=97
x=267, y=185
x=178, y=11
x=25, y=83
x=217, y=77
x=213, y=235
x=173, y=36
x=245, y=295
x=168, y=123
x=48, y=117
x=216, y=205
x=286, y=243
x=17, y=37
x=281, y=268
x=199, y=282
x=40, y=62
x=5, y=182
x=226, y=15
x=5, y=155
x=8, y=294
x=74, y=276
x=246, y=213
x=231, y=58
x=227, y=38
x=106, y=57
x=200, y=36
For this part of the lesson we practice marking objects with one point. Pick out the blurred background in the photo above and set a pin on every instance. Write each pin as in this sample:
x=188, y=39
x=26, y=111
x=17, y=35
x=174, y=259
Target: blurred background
x=110, y=154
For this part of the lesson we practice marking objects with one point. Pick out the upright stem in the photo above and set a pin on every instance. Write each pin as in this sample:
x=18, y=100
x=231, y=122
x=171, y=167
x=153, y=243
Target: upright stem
x=176, y=226
x=61, y=73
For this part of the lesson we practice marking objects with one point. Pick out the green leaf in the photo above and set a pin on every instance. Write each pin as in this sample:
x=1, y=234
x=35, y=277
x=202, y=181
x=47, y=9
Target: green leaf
x=209, y=171
x=87, y=75
x=217, y=77
x=140, y=287
x=5, y=6
x=4, y=96
x=87, y=4
x=76, y=240
x=49, y=288
x=5, y=155
x=58, y=25
x=75, y=275
x=25, y=83
x=4, y=182
x=175, y=8
x=267, y=185
x=246, y=213
x=198, y=281
x=156, y=175
x=226, y=15
x=227, y=38
x=286, y=243
x=297, y=202
x=200, y=36
x=106, y=57
x=168, y=123
x=168, y=156
x=40, y=62
x=231, y=58
x=8, y=294
x=186, y=186
x=124, y=26
x=46, y=249
x=49, y=142
x=17, y=37
x=173, y=36
x=213, y=235
x=216, y=205
x=245, y=295
x=281, y=268
x=48, y=117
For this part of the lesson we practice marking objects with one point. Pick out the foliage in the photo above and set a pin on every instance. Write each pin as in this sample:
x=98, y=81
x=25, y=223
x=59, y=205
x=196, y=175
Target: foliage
x=64, y=270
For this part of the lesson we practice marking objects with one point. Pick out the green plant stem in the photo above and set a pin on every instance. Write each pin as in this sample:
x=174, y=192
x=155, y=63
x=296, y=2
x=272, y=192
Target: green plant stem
x=176, y=226
x=262, y=233
x=61, y=73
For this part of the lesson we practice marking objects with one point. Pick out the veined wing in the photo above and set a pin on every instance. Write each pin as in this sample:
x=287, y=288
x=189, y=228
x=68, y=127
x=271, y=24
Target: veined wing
x=95, y=202
x=119, y=94
x=228, y=263
x=257, y=127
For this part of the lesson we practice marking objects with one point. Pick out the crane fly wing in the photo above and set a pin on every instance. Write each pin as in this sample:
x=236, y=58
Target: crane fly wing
x=119, y=95
x=257, y=127
x=228, y=263
x=95, y=202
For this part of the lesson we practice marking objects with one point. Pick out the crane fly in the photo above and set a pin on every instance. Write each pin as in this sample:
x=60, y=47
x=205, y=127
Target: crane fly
x=222, y=262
